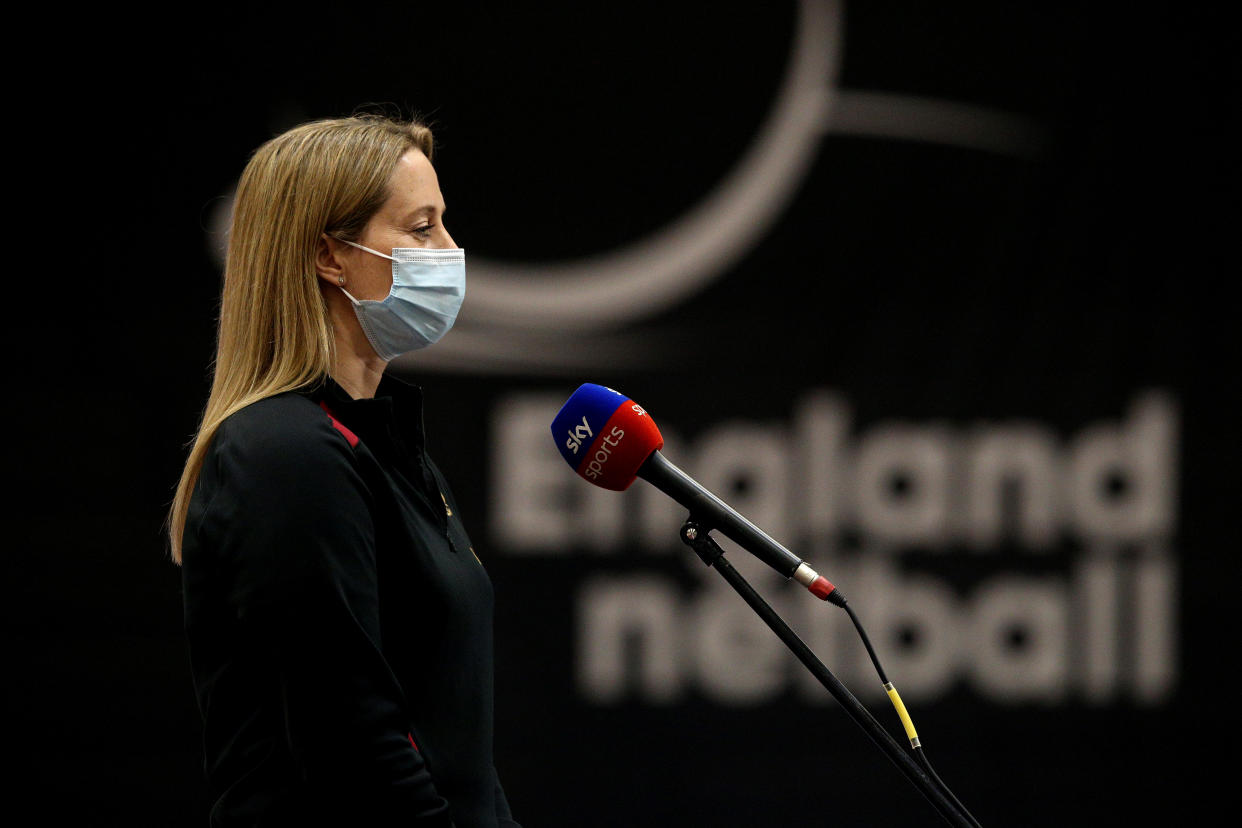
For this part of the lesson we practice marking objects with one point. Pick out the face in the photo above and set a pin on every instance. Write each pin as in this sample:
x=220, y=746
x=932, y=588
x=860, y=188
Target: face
x=413, y=216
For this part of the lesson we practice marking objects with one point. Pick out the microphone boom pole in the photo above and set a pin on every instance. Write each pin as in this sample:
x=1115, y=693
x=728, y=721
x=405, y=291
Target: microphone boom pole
x=695, y=535
x=661, y=473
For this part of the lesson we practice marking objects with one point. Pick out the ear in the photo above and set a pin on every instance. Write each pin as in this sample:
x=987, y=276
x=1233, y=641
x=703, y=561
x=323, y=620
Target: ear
x=328, y=260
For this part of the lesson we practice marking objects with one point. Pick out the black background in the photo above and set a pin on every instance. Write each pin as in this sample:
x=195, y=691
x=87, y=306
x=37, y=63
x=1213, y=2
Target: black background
x=924, y=281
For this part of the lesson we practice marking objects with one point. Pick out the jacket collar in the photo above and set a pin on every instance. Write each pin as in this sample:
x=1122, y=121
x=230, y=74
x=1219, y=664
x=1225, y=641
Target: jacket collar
x=396, y=410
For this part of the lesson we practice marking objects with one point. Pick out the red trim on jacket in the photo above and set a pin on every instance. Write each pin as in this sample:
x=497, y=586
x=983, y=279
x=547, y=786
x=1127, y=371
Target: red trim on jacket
x=349, y=435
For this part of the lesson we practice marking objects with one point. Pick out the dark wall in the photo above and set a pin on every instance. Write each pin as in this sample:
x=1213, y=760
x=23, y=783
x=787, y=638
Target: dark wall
x=961, y=344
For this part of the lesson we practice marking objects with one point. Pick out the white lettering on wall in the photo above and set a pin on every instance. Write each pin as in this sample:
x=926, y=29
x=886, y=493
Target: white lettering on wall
x=1098, y=628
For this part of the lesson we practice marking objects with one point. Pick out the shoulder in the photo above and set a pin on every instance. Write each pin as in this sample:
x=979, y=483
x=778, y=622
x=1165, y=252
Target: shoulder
x=287, y=435
x=279, y=468
x=281, y=500
x=285, y=418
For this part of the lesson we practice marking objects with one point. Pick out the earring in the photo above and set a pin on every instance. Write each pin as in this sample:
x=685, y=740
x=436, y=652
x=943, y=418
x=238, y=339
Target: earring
x=340, y=280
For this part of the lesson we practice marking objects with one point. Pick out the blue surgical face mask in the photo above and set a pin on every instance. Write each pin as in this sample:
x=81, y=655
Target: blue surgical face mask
x=428, y=287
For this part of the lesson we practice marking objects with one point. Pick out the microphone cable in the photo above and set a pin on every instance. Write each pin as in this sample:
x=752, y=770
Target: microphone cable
x=916, y=745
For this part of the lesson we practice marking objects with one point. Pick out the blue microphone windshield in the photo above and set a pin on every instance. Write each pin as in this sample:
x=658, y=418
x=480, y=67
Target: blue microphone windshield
x=581, y=418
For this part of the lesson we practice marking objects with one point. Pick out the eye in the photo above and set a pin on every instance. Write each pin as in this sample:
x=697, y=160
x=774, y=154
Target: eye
x=423, y=230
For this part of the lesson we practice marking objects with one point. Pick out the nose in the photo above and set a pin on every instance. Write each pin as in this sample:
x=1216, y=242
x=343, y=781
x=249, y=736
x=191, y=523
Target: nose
x=446, y=240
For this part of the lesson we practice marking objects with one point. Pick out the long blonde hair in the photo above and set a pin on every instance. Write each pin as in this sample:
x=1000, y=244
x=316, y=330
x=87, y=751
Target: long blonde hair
x=275, y=334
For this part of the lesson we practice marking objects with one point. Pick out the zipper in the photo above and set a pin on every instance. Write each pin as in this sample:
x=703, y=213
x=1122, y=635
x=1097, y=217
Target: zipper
x=448, y=526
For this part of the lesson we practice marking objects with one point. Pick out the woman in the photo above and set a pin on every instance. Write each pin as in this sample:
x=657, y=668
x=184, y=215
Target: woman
x=339, y=622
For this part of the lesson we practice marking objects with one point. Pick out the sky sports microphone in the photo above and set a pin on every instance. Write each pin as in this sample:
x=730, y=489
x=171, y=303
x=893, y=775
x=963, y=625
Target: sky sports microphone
x=610, y=440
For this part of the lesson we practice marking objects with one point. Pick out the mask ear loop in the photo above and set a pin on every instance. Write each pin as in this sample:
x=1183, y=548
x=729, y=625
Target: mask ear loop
x=341, y=279
x=369, y=250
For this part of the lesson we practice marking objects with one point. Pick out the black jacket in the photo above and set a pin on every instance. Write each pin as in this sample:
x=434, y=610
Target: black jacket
x=339, y=621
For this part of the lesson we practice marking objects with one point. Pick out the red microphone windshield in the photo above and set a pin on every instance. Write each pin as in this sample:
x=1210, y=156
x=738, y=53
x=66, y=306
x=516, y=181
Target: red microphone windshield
x=622, y=446
x=605, y=436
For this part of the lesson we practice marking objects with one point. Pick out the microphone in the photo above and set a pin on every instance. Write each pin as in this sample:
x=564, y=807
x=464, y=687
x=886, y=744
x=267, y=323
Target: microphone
x=610, y=440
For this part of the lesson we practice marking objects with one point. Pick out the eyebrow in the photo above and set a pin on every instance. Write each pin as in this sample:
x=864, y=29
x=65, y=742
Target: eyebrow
x=426, y=208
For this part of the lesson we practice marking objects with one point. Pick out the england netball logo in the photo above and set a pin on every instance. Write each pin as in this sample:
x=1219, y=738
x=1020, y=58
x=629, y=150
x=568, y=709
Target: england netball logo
x=571, y=316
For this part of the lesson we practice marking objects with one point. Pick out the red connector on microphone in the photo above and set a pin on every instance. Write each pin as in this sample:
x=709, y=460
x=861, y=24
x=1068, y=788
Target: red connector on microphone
x=818, y=585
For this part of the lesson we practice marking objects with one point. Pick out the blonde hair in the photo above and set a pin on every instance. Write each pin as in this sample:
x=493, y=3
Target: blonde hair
x=274, y=333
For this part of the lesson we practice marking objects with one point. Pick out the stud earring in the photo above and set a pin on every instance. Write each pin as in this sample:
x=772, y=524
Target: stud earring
x=340, y=280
